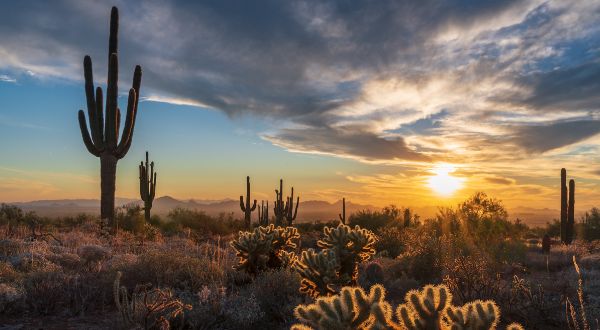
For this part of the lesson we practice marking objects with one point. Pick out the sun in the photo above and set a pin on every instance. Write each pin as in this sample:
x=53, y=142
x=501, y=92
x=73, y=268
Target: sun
x=442, y=182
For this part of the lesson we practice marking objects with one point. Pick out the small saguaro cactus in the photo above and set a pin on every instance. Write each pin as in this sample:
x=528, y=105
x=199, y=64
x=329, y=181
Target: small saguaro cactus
x=263, y=214
x=279, y=207
x=567, y=208
x=343, y=214
x=291, y=216
x=247, y=209
x=147, y=186
x=103, y=142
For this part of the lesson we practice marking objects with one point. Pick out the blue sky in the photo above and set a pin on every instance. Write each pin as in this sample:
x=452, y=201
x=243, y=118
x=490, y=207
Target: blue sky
x=360, y=99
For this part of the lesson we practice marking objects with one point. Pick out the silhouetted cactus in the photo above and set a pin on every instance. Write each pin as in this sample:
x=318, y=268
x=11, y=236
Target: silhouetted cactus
x=426, y=309
x=264, y=248
x=247, y=209
x=373, y=273
x=325, y=272
x=263, y=214
x=289, y=206
x=343, y=214
x=279, y=207
x=567, y=208
x=147, y=186
x=104, y=141
x=284, y=210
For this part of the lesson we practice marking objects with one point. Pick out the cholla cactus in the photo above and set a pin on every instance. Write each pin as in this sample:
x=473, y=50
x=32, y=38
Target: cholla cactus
x=474, y=315
x=336, y=265
x=351, y=309
x=264, y=248
x=424, y=308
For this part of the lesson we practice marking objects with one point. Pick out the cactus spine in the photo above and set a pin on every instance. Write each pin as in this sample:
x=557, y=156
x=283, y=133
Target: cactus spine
x=147, y=186
x=247, y=209
x=567, y=208
x=343, y=214
x=263, y=214
x=104, y=141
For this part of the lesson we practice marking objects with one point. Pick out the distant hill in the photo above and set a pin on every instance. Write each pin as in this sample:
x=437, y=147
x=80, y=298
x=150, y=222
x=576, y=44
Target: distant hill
x=308, y=210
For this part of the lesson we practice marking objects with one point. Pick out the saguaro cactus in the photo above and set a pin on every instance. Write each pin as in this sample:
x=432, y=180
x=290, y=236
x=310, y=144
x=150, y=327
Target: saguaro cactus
x=343, y=214
x=571, y=212
x=263, y=214
x=147, y=186
x=280, y=208
x=567, y=208
x=563, y=205
x=104, y=141
x=291, y=216
x=247, y=209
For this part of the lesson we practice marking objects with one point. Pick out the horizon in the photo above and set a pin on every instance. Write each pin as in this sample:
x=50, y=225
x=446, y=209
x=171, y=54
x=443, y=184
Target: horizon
x=497, y=98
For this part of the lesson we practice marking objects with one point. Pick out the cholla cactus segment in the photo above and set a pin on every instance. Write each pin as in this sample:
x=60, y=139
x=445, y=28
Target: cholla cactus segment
x=474, y=315
x=351, y=309
x=424, y=308
x=265, y=247
x=343, y=238
x=514, y=326
x=318, y=271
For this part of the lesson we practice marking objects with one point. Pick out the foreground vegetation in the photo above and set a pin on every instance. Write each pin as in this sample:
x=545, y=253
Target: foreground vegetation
x=189, y=270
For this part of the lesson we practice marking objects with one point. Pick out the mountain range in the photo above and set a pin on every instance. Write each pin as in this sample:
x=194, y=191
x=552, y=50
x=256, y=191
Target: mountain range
x=312, y=210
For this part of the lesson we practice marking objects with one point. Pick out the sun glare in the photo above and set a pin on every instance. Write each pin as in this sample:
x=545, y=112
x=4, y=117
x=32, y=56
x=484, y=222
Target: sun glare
x=442, y=182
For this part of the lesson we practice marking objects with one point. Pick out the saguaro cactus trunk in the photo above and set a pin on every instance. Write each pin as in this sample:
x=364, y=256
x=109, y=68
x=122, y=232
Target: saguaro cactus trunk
x=343, y=214
x=571, y=213
x=263, y=214
x=280, y=207
x=563, y=205
x=292, y=212
x=104, y=124
x=147, y=186
x=246, y=208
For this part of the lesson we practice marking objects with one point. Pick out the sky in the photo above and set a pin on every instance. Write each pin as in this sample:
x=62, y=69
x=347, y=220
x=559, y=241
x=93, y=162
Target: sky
x=380, y=102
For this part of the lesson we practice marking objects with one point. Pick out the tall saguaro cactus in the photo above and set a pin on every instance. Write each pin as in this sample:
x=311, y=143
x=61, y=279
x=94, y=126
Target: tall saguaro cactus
x=292, y=212
x=571, y=212
x=343, y=214
x=563, y=205
x=567, y=208
x=104, y=124
x=247, y=209
x=147, y=186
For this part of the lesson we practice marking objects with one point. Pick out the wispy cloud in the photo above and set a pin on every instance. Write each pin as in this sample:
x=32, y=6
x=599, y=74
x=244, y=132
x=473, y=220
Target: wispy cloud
x=7, y=78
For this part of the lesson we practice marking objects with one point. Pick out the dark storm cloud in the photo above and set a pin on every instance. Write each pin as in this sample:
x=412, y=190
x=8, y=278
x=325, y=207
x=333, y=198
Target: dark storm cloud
x=543, y=138
x=348, y=142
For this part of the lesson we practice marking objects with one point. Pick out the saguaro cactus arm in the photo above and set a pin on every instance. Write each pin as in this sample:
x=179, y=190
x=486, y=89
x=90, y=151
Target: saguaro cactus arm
x=343, y=214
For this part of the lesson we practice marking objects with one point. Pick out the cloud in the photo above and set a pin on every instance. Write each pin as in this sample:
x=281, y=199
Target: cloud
x=346, y=142
x=7, y=78
x=541, y=138
x=370, y=80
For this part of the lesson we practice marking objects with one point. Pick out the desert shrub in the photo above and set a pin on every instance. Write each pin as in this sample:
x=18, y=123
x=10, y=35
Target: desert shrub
x=509, y=251
x=130, y=218
x=265, y=248
x=11, y=298
x=173, y=270
x=589, y=228
x=12, y=247
x=429, y=308
x=336, y=265
x=46, y=292
x=8, y=274
x=390, y=216
x=67, y=261
x=200, y=222
x=278, y=295
x=93, y=255
x=390, y=241
x=146, y=307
